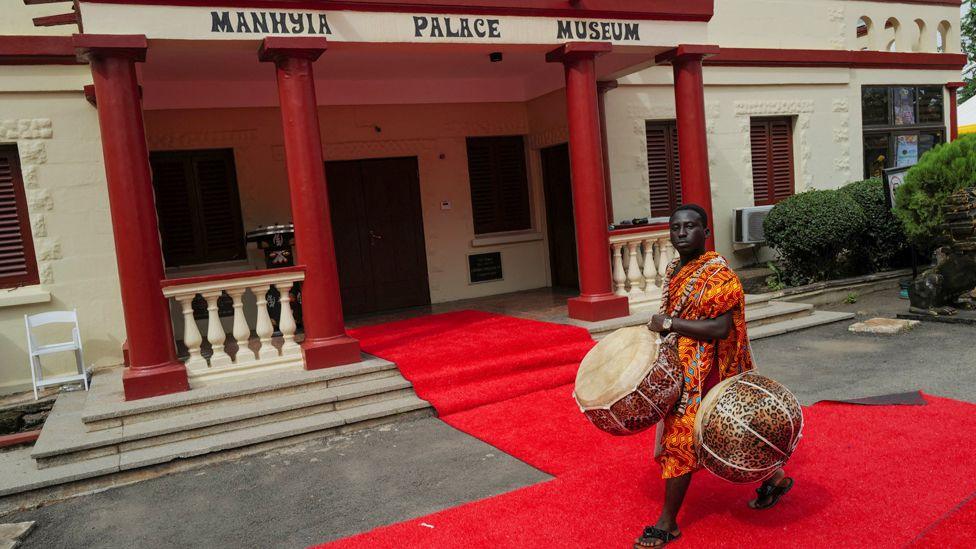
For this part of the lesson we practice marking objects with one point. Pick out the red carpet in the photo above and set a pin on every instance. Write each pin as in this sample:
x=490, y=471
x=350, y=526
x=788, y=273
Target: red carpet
x=957, y=529
x=462, y=360
x=883, y=476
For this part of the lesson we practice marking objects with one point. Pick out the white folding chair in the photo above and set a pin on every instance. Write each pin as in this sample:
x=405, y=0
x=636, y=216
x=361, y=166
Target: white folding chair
x=36, y=350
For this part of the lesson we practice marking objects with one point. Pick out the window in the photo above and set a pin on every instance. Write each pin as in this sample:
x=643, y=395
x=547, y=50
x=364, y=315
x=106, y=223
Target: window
x=772, y=159
x=18, y=266
x=901, y=123
x=499, y=185
x=663, y=167
x=198, y=207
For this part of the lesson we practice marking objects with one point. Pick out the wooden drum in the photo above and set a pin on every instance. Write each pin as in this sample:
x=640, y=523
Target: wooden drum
x=747, y=427
x=628, y=381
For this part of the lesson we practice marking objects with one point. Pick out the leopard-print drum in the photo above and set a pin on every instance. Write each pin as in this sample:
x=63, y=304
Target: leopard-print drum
x=628, y=381
x=747, y=427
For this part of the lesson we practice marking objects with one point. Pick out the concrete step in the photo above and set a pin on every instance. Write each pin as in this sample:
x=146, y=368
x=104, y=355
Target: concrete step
x=24, y=476
x=760, y=309
x=107, y=408
x=818, y=318
x=325, y=423
x=776, y=311
x=757, y=301
x=66, y=441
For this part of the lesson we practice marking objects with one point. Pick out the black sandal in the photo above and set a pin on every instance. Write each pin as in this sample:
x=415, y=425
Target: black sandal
x=771, y=491
x=652, y=534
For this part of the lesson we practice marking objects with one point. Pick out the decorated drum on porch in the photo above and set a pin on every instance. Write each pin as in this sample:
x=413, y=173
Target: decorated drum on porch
x=628, y=381
x=747, y=427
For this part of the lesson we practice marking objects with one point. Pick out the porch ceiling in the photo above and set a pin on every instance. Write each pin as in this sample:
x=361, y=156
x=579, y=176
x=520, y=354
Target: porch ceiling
x=212, y=74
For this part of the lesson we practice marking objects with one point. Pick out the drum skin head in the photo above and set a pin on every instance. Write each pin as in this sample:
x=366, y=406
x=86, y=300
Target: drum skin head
x=615, y=367
x=747, y=427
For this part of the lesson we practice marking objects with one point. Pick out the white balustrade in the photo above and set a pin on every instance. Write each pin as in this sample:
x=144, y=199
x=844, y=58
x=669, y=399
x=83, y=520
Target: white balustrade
x=250, y=346
x=638, y=261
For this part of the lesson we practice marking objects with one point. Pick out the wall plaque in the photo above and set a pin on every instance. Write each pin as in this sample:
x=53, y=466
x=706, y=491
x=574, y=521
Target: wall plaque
x=485, y=267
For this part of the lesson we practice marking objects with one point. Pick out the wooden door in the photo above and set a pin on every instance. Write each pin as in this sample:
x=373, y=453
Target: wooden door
x=377, y=225
x=557, y=183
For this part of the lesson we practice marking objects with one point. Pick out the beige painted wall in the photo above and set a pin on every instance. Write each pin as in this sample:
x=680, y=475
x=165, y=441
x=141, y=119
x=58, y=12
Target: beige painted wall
x=824, y=103
x=17, y=19
x=811, y=24
x=828, y=24
x=56, y=133
x=435, y=134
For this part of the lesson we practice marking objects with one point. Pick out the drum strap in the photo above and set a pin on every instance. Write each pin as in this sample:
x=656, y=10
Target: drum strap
x=672, y=338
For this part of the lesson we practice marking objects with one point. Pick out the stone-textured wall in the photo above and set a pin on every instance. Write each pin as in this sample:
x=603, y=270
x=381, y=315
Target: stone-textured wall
x=57, y=137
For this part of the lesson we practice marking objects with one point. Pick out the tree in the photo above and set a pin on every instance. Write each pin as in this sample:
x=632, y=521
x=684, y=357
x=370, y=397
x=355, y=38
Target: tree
x=928, y=184
x=968, y=34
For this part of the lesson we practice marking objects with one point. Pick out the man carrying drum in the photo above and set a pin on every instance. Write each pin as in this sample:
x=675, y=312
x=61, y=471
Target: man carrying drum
x=704, y=311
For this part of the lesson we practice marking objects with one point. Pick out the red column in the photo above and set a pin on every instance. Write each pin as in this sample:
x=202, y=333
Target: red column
x=689, y=101
x=953, y=88
x=602, y=88
x=596, y=300
x=153, y=368
x=326, y=343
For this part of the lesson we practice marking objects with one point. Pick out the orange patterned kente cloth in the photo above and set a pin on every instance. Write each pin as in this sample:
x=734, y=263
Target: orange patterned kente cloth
x=714, y=290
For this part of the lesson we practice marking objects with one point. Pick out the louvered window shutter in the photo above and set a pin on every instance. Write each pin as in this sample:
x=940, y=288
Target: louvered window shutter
x=772, y=160
x=18, y=266
x=198, y=206
x=499, y=185
x=174, y=209
x=219, y=207
x=663, y=168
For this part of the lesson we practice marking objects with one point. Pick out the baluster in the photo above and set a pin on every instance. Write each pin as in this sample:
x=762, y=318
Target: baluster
x=286, y=324
x=663, y=257
x=242, y=332
x=651, y=288
x=263, y=326
x=215, y=331
x=634, y=274
x=191, y=334
x=669, y=249
x=619, y=276
x=640, y=264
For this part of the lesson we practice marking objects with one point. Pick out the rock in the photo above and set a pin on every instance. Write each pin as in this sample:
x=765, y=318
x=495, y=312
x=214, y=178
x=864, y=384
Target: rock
x=43, y=405
x=883, y=326
x=11, y=534
x=10, y=421
x=34, y=421
x=31, y=406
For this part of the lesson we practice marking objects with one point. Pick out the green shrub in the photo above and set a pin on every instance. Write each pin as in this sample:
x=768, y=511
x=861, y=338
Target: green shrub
x=940, y=172
x=883, y=242
x=814, y=232
x=776, y=281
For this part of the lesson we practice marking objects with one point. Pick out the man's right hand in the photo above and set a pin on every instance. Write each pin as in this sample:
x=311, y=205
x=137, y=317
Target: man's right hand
x=657, y=323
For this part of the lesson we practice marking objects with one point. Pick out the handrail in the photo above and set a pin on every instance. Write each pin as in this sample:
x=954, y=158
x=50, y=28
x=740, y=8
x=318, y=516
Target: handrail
x=173, y=286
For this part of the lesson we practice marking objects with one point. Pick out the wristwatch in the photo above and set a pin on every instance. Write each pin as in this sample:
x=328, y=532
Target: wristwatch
x=666, y=324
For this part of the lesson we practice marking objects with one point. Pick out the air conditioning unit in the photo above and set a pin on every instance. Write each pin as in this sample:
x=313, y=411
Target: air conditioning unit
x=749, y=224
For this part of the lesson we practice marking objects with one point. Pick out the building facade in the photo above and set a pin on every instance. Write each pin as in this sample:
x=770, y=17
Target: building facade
x=425, y=152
